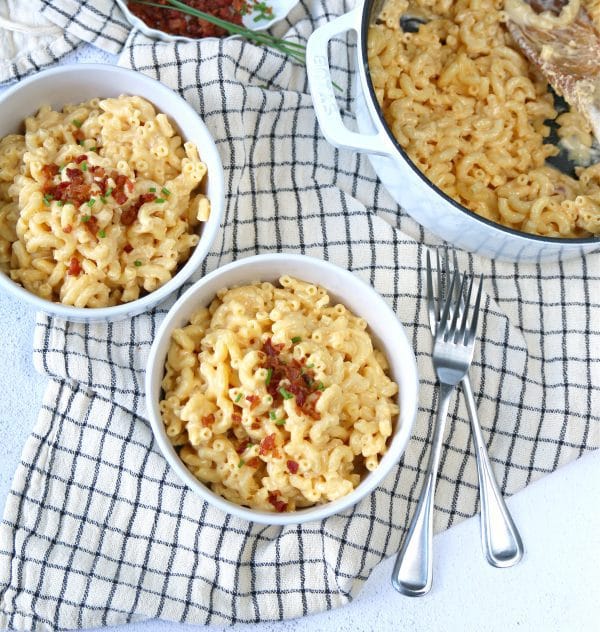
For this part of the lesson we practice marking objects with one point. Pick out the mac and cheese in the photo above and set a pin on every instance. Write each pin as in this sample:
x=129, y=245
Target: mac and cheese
x=471, y=112
x=276, y=399
x=99, y=202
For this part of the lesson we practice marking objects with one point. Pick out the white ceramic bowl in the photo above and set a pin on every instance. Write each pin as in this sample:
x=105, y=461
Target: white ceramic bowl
x=386, y=330
x=74, y=84
x=280, y=10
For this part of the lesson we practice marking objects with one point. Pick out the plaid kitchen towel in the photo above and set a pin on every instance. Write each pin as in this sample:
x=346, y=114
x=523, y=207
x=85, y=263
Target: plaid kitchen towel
x=98, y=531
x=35, y=34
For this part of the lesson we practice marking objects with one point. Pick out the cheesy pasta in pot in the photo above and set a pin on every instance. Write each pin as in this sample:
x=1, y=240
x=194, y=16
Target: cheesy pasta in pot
x=99, y=203
x=276, y=399
x=471, y=112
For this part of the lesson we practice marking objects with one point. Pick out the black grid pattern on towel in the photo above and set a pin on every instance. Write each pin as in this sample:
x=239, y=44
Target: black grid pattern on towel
x=94, y=500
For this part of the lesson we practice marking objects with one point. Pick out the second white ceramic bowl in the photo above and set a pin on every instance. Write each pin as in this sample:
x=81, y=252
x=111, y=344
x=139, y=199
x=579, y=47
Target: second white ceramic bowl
x=77, y=83
x=343, y=287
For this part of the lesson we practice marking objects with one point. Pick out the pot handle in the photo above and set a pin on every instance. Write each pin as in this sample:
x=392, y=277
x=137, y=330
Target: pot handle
x=322, y=91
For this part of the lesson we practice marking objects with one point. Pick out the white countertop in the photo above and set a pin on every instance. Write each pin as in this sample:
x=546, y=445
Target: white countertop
x=553, y=588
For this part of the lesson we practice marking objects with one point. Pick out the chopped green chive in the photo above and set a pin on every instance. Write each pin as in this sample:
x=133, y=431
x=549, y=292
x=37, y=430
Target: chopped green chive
x=80, y=142
x=320, y=386
x=269, y=375
x=102, y=233
x=86, y=218
x=84, y=165
x=152, y=189
x=241, y=463
x=93, y=148
x=103, y=199
x=165, y=191
x=137, y=263
x=285, y=394
x=47, y=199
x=237, y=399
x=160, y=200
x=280, y=422
x=61, y=203
x=272, y=415
x=108, y=191
x=61, y=168
x=77, y=123
x=296, y=339
x=91, y=202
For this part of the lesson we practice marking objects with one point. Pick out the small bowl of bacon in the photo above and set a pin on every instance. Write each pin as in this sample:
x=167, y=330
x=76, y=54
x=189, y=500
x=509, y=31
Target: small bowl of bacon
x=178, y=20
x=111, y=192
x=281, y=389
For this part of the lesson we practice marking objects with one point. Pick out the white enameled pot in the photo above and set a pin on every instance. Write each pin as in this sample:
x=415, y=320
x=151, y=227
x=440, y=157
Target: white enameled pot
x=425, y=202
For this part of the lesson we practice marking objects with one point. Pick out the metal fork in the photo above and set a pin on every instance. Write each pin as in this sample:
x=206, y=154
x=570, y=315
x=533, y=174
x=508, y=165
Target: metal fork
x=452, y=356
x=500, y=538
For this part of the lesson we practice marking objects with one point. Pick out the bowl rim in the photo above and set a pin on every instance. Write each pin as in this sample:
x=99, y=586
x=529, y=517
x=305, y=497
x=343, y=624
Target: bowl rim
x=207, y=234
x=391, y=458
x=367, y=9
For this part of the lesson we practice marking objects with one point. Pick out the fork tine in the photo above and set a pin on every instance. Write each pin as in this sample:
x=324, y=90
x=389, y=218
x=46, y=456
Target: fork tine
x=456, y=298
x=446, y=270
x=440, y=286
x=473, y=328
x=431, y=303
x=460, y=336
x=443, y=324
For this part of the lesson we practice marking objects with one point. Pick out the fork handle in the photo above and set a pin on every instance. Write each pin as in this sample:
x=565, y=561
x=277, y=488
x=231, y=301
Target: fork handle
x=413, y=570
x=500, y=538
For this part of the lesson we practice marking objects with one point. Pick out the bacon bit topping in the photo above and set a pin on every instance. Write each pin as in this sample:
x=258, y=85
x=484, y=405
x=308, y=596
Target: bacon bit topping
x=130, y=215
x=98, y=172
x=120, y=197
x=236, y=418
x=267, y=444
x=78, y=135
x=121, y=182
x=49, y=171
x=68, y=228
x=270, y=349
x=74, y=267
x=74, y=189
x=255, y=425
x=253, y=462
x=279, y=505
x=80, y=159
x=127, y=248
x=254, y=400
x=92, y=225
x=292, y=467
x=290, y=379
x=208, y=420
x=242, y=446
x=74, y=175
x=172, y=21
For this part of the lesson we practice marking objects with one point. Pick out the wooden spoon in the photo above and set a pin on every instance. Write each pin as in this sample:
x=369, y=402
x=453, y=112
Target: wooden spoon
x=561, y=40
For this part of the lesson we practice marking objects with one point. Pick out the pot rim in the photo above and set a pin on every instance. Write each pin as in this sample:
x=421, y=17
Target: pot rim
x=380, y=120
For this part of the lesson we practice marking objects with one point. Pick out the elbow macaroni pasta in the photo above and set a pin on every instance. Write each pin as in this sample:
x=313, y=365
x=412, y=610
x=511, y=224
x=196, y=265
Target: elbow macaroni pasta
x=99, y=203
x=276, y=399
x=471, y=112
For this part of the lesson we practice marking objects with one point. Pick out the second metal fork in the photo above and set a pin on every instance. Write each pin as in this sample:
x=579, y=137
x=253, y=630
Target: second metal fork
x=500, y=538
